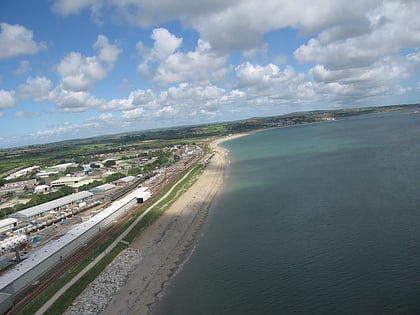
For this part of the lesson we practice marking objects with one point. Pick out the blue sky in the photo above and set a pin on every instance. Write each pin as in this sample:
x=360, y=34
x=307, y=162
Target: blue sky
x=81, y=68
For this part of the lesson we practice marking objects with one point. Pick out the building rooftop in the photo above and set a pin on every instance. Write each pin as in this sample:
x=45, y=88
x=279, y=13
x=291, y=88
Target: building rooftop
x=126, y=179
x=102, y=188
x=50, y=205
x=44, y=252
x=7, y=221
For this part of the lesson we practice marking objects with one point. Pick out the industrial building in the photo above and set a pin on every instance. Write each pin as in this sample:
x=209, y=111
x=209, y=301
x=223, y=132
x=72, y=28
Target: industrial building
x=72, y=181
x=124, y=181
x=39, y=262
x=32, y=213
x=8, y=224
x=102, y=190
x=22, y=172
x=60, y=168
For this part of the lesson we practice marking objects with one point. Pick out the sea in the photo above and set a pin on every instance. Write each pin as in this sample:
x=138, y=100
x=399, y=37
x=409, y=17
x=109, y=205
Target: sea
x=313, y=219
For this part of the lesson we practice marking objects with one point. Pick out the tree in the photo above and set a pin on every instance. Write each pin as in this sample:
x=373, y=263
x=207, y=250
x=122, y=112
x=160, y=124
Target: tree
x=113, y=177
x=66, y=190
x=134, y=171
x=73, y=169
x=9, y=194
x=109, y=163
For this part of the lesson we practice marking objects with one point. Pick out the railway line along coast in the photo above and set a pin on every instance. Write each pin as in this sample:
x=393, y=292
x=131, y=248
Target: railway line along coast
x=93, y=254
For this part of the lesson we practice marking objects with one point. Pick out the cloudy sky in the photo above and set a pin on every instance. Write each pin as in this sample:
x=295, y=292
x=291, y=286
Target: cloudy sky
x=80, y=68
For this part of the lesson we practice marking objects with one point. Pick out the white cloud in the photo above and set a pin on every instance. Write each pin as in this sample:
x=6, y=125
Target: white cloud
x=167, y=112
x=107, y=52
x=165, y=64
x=74, y=101
x=194, y=94
x=144, y=98
x=65, y=7
x=240, y=26
x=235, y=24
x=199, y=102
x=165, y=43
x=16, y=40
x=385, y=33
x=37, y=89
x=79, y=73
x=7, y=99
x=133, y=113
x=270, y=84
x=201, y=66
x=357, y=84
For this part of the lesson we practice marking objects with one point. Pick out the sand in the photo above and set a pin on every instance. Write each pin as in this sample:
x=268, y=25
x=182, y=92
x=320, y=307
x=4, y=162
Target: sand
x=169, y=240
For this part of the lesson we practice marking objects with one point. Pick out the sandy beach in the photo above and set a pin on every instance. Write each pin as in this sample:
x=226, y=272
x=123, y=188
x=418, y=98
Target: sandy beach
x=168, y=241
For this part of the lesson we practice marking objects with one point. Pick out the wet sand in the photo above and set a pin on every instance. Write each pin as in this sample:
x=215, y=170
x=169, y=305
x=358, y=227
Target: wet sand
x=168, y=241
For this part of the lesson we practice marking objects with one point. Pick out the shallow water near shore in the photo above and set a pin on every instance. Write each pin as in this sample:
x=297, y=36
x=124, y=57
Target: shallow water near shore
x=314, y=219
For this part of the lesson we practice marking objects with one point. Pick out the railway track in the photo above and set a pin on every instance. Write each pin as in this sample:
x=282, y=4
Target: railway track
x=56, y=272
x=28, y=295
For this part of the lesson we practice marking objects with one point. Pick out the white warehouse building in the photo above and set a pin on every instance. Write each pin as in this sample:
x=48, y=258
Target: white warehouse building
x=39, y=210
x=39, y=262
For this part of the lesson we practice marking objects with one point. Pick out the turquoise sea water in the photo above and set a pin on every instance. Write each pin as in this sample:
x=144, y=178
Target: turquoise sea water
x=314, y=219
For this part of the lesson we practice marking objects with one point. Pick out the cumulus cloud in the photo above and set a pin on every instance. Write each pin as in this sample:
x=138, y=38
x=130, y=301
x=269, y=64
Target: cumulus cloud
x=386, y=32
x=79, y=73
x=361, y=83
x=269, y=82
x=198, y=103
x=241, y=25
x=133, y=113
x=194, y=94
x=144, y=98
x=16, y=40
x=37, y=89
x=201, y=65
x=164, y=45
x=167, y=112
x=232, y=24
x=7, y=99
x=171, y=66
x=352, y=51
x=74, y=101
x=40, y=89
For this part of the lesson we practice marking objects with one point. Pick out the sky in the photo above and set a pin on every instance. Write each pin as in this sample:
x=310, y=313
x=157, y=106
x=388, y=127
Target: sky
x=73, y=69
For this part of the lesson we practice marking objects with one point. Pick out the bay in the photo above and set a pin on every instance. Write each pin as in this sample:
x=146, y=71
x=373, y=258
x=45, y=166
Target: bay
x=313, y=219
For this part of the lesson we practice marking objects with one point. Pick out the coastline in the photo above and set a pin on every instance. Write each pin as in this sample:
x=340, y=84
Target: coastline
x=168, y=242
